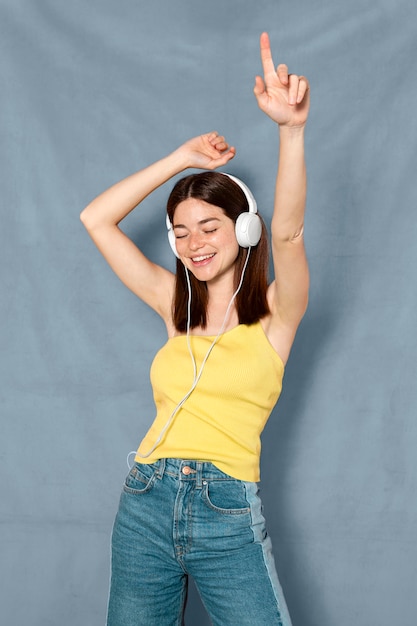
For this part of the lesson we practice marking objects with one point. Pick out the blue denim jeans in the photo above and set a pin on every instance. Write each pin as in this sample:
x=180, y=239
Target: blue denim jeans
x=187, y=518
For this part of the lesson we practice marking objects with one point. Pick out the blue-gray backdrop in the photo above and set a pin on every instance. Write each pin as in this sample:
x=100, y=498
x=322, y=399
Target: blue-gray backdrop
x=91, y=91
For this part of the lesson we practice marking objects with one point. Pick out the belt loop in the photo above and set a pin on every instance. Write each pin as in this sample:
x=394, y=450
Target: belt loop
x=159, y=472
x=199, y=477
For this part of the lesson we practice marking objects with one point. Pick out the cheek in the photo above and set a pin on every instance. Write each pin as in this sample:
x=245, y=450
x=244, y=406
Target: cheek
x=227, y=246
x=232, y=244
x=227, y=238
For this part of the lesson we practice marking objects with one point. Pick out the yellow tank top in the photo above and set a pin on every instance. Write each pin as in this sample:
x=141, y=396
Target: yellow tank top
x=223, y=418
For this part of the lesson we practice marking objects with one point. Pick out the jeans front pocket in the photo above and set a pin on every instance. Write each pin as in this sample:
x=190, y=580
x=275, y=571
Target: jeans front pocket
x=226, y=496
x=140, y=479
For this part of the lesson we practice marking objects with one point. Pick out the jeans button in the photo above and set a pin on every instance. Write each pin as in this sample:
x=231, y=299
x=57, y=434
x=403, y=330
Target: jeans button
x=186, y=470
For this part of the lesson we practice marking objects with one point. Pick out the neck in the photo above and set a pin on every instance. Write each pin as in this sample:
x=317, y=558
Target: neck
x=220, y=293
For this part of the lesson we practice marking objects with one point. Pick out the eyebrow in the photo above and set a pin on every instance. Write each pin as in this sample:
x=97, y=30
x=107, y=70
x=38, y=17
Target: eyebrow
x=201, y=222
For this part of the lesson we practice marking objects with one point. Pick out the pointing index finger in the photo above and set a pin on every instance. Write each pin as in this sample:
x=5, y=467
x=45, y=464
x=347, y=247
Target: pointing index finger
x=266, y=55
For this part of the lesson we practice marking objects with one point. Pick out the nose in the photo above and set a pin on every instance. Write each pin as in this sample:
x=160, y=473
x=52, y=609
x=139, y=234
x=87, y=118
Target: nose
x=195, y=241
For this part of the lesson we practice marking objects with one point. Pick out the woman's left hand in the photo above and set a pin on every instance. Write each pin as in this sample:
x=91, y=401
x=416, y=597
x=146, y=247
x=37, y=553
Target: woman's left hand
x=282, y=96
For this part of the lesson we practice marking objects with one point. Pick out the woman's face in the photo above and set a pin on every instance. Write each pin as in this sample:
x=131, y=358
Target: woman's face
x=205, y=239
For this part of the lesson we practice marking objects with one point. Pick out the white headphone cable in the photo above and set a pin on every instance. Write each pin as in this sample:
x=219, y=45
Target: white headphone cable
x=196, y=378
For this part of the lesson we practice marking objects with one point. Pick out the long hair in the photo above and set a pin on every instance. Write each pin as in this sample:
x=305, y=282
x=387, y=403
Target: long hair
x=251, y=301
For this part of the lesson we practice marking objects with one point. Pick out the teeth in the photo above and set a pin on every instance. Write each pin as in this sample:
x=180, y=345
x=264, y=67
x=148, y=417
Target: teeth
x=197, y=259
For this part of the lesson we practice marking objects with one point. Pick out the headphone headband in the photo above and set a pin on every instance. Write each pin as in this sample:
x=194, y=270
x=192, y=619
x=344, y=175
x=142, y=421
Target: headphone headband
x=253, y=207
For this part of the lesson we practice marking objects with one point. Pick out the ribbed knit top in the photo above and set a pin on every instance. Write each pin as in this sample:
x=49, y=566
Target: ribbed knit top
x=222, y=419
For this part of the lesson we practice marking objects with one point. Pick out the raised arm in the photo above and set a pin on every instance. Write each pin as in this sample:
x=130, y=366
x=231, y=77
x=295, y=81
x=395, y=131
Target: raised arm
x=284, y=98
x=150, y=282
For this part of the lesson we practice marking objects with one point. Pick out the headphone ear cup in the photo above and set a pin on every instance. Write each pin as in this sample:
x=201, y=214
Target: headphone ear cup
x=171, y=237
x=171, y=240
x=248, y=229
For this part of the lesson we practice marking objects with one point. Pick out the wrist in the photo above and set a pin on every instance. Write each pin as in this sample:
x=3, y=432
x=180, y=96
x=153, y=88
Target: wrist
x=291, y=138
x=179, y=160
x=291, y=131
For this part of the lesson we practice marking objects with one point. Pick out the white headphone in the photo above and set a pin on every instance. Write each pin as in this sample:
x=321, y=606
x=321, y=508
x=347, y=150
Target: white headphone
x=248, y=227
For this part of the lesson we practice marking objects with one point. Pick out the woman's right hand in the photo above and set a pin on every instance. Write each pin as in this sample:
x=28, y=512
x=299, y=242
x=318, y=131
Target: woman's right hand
x=207, y=151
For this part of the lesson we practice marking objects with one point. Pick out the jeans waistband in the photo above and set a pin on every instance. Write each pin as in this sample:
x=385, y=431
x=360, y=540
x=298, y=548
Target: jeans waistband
x=190, y=470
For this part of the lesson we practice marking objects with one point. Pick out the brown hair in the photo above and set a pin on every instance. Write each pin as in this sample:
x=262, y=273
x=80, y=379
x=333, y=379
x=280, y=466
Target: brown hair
x=251, y=303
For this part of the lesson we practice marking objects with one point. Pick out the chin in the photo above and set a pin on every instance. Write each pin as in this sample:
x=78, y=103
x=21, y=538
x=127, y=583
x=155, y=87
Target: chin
x=201, y=275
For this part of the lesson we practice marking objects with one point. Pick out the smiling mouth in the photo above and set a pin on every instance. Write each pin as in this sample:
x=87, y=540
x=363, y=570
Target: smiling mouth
x=202, y=258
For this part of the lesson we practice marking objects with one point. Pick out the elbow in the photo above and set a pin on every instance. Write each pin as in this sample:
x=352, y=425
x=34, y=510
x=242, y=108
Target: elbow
x=297, y=235
x=287, y=233
x=84, y=217
x=87, y=219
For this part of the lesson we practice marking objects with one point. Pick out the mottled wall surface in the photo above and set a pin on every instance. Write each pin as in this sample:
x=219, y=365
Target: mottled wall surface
x=91, y=91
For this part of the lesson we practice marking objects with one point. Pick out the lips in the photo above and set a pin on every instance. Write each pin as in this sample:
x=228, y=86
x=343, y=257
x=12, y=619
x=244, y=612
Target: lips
x=202, y=259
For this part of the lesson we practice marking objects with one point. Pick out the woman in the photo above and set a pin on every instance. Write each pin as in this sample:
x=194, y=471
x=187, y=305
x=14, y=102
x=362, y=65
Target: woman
x=190, y=505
